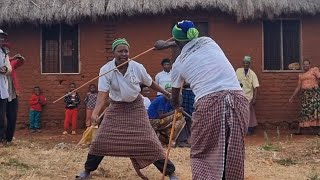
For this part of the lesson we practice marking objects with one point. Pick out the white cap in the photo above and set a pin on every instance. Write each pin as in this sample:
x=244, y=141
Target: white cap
x=2, y=32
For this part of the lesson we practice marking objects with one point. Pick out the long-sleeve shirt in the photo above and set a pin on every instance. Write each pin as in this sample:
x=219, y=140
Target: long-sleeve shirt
x=36, y=102
x=72, y=100
x=13, y=87
x=15, y=63
x=4, y=61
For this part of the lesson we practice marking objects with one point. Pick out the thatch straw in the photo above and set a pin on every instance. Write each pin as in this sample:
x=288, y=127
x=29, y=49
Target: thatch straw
x=74, y=10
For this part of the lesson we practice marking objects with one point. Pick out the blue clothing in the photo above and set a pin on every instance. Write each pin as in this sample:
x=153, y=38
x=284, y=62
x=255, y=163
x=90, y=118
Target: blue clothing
x=34, y=117
x=159, y=104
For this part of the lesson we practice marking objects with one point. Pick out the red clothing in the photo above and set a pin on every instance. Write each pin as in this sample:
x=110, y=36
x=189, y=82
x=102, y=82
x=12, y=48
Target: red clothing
x=15, y=63
x=36, y=102
x=71, y=117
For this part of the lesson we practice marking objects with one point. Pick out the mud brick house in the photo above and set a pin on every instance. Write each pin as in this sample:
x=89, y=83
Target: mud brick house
x=68, y=41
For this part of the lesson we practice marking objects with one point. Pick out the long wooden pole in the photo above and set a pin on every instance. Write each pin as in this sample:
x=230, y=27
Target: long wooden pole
x=170, y=139
x=107, y=72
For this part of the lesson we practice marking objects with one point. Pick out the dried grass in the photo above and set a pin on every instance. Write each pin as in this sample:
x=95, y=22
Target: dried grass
x=71, y=11
x=28, y=160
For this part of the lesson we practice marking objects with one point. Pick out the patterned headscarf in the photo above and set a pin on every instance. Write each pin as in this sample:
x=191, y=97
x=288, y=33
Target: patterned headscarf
x=184, y=31
x=119, y=41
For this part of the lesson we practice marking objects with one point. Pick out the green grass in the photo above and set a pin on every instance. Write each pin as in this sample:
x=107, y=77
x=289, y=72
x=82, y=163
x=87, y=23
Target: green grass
x=286, y=162
x=270, y=147
x=314, y=177
x=16, y=163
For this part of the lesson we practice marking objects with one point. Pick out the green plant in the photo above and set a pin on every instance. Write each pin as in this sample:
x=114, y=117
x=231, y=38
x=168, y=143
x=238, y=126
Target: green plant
x=270, y=147
x=286, y=162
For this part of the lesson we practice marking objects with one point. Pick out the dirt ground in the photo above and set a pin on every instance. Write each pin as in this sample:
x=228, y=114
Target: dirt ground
x=50, y=156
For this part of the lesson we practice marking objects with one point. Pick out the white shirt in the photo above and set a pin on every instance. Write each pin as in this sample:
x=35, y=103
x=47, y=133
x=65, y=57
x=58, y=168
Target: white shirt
x=4, y=61
x=205, y=67
x=123, y=88
x=146, y=102
x=163, y=78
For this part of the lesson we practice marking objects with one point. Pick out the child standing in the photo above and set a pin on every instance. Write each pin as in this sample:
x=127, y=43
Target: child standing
x=36, y=102
x=90, y=102
x=72, y=101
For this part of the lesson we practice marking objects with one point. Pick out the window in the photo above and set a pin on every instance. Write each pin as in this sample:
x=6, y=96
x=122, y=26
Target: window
x=281, y=44
x=60, y=49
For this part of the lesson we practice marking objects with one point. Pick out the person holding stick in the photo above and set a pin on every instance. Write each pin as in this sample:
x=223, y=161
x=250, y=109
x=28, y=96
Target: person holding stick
x=125, y=130
x=221, y=108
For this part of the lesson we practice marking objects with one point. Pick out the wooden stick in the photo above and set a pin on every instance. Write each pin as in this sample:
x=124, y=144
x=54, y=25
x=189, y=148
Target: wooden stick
x=170, y=139
x=106, y=73
x=35, y=4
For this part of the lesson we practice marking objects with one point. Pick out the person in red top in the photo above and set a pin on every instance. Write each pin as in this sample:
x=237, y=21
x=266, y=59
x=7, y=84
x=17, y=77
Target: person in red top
x=36, y=102
x=13, y=88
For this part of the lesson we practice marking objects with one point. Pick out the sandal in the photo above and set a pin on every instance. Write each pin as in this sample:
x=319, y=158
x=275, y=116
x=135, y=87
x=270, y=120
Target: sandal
x=84, y=175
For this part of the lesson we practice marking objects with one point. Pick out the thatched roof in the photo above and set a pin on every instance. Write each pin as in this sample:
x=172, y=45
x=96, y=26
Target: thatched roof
x=48, y=11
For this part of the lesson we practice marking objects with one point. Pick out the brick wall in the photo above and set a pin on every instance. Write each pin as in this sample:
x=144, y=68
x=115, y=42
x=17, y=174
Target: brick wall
x=25, y=39
x=235, y=39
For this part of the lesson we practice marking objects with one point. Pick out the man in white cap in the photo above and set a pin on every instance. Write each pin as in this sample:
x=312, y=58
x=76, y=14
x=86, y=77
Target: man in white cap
x=249, y=83
x=5, y=68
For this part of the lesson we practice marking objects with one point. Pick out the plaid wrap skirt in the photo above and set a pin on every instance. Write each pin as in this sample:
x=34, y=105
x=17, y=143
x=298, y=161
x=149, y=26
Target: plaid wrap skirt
x=219, y=125
x=126, y=132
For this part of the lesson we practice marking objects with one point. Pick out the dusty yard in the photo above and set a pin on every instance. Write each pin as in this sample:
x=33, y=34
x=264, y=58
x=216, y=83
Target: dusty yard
x=49, y=155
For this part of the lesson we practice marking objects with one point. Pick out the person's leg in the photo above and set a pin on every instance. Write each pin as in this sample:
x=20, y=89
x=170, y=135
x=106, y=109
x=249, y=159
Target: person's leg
x=67, y=121
x=170, y=166
x=12, y=111
x=37, y=121
x=90, y=165
x=3, y=105
x=88, y=117
x=31, y=120
x=74, y=118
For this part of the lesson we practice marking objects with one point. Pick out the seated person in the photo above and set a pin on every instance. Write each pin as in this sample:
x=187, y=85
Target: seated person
x=161, y=116
x=145, y=93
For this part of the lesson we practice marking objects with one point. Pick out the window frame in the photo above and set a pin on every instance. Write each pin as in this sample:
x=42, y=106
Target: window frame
x=281, y=35
x=60, y=55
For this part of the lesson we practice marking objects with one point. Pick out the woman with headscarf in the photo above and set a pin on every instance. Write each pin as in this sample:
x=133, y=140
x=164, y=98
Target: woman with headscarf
x=308, y=84
x=221, y=109
x=249, y=83
x=125, y=130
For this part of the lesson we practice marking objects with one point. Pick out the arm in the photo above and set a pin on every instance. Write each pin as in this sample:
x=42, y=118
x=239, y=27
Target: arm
x=296, y=90
x=255, y=85
x=163, y=115
x=67, y=99
x=157, y=79
x=16, y=62
x=102, y=101
x=175, y=98
x=255, y=90
x=157, y=88
x=317, y=73
x=33, y=100
x=78, y=100
x=161, y=44
x=6, y=69
x=86, y=99
x=43, y=100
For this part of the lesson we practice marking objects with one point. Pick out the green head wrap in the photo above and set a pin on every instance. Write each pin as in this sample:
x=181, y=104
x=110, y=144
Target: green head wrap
x=119, y=41
x=247, y=59
x=184, y=31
